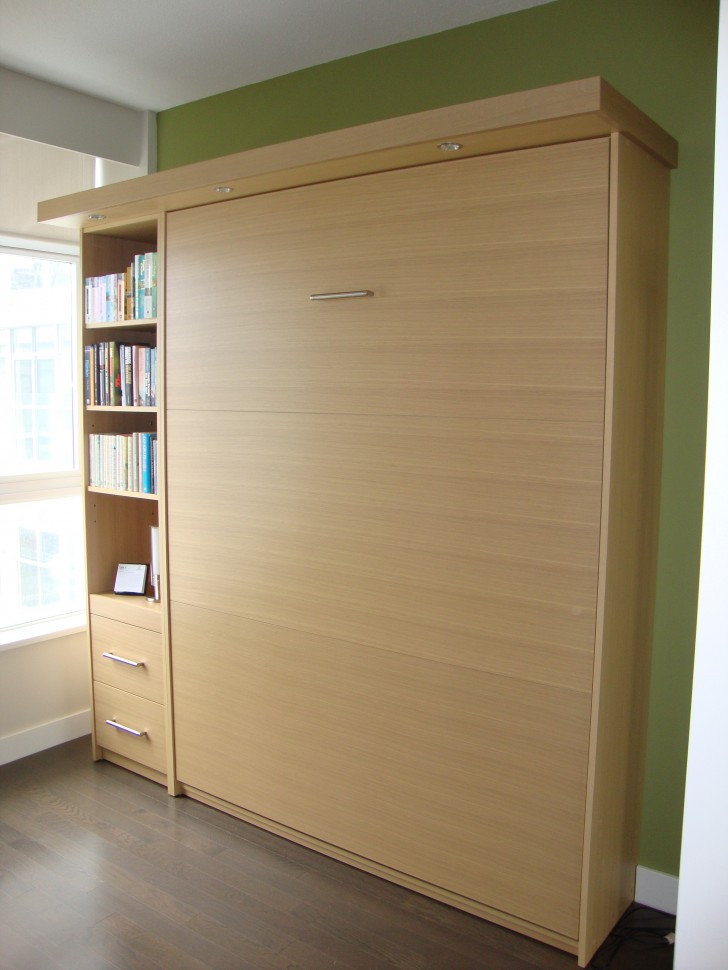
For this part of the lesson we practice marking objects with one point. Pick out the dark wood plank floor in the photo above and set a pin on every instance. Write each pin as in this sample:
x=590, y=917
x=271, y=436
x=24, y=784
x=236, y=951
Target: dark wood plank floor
x=102, y=870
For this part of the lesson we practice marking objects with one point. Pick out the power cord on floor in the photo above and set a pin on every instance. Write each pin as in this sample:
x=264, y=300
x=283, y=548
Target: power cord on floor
x=640, y=928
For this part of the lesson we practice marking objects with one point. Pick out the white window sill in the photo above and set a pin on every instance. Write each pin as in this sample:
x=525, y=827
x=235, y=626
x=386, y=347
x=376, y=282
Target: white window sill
x=57, y=626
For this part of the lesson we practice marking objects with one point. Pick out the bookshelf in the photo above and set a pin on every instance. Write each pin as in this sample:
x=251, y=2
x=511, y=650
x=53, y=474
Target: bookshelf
x=122, y=455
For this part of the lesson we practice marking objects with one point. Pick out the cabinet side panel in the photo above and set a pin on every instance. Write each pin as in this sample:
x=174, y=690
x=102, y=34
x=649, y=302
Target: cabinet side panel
x=633, y=436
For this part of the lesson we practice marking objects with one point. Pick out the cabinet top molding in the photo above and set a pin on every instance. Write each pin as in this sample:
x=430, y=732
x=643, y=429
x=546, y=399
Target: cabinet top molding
x=587, y=108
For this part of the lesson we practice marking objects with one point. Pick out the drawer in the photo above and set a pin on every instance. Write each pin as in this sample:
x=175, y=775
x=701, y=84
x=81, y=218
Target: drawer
x=138, y=714
x=136, y=610
x=130, y=646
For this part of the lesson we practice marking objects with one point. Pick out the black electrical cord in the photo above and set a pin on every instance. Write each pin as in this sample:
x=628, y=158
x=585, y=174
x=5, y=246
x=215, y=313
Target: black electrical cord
x=640, y=928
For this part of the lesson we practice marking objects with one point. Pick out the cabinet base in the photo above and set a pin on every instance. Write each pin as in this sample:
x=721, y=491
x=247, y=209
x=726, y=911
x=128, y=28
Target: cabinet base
x=103, y=754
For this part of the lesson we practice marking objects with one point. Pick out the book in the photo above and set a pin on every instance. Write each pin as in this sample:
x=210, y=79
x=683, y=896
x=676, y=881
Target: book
x=101, y=371
x=87, y=371
x=127, y=395
x=146, y=463
x=114, y=374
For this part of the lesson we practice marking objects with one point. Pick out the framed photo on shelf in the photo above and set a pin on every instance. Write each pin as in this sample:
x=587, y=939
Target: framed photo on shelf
x=131, y=578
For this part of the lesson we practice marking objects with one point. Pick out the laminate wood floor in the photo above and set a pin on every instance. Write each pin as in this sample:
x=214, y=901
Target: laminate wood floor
x=101, y=870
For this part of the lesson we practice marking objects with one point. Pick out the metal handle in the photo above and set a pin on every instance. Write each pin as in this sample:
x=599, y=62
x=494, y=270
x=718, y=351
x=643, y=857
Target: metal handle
x=123, y=660
x=346, y=295
x=122, y=727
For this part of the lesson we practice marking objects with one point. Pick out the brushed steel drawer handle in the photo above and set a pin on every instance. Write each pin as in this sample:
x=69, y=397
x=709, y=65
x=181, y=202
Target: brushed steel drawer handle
x=346, y=295
x=127, y=730
x=123, y=660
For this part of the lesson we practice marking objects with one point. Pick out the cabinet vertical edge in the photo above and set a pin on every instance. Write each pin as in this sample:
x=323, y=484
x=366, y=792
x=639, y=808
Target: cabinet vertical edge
x=173, y=786
x=637, y=309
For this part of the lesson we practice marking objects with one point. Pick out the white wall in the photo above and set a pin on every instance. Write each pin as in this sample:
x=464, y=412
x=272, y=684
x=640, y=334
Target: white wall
x=702, y=912
x=44, y=695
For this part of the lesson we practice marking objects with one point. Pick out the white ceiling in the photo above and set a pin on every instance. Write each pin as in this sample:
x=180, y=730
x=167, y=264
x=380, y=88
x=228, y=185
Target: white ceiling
x=154, y=54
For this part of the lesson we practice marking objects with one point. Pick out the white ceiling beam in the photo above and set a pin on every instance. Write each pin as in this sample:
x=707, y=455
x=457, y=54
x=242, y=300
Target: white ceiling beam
x=43, y=112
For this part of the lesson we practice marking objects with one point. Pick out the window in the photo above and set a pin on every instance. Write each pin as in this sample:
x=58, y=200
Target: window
x=41, y=575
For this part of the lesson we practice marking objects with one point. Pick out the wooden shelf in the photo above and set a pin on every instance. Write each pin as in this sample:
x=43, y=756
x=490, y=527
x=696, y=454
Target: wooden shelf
x=123, y=408
x=127, y=324
x=124, y=493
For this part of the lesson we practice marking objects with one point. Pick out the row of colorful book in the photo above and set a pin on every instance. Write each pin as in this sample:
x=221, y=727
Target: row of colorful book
x=120, y=375
x=124, y=461
x=131, y=295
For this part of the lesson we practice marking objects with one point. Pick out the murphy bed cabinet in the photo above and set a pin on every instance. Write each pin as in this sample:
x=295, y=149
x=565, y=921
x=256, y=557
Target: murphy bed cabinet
x=409, y=436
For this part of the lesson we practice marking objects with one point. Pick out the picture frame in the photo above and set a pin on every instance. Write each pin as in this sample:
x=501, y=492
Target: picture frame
x=131, y=579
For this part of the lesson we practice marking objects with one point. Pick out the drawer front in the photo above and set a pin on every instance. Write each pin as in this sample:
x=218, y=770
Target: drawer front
x=135, y=610
x=135, y=713
x=136, y=661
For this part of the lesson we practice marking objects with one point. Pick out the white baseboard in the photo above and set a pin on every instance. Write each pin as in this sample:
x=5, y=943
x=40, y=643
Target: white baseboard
x=20, y=745
x=656, y=889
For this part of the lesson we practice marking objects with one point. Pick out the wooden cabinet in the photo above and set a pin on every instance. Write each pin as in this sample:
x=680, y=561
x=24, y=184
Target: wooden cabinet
x=412, y=521
x=123, y=501
x=390, y=516
x=129, y=674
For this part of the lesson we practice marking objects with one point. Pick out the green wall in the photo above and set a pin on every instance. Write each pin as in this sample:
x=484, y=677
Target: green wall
x=662, y=55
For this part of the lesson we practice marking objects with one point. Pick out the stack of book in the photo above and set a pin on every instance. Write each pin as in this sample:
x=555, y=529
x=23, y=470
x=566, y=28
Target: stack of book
x=131, y=295
x=120, y=375
x=124, y=461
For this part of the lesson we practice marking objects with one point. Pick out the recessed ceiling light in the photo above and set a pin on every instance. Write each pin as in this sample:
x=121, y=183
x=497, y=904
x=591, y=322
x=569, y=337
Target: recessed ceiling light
x=96, y=217
x=223, y=189
x=449, y=146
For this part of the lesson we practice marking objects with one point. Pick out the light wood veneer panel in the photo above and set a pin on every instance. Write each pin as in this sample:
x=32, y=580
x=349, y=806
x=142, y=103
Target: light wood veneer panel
x=472, y=782
x=384, y=515
x=368, y=524
x=461, y=321
x=398, y=561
